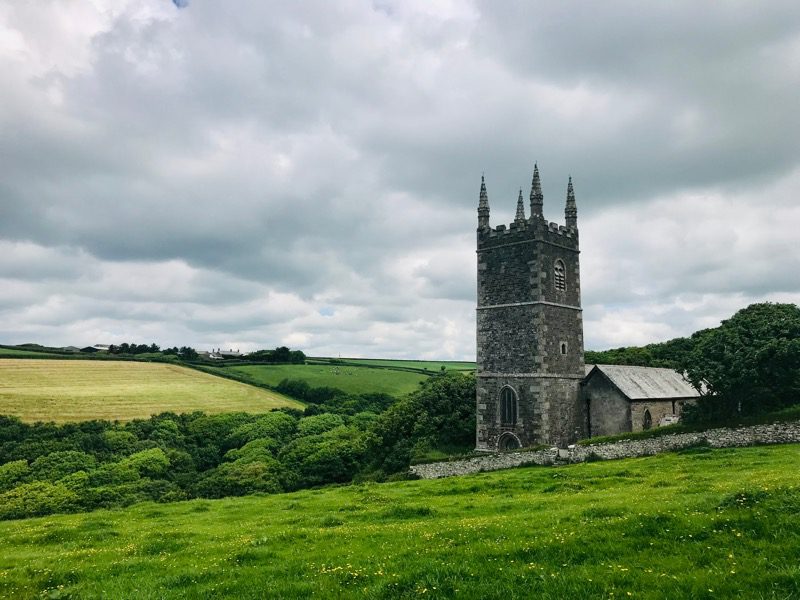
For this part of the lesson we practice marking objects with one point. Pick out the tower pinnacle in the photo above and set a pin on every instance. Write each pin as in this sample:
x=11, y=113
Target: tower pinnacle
x=537, y=198
x=520, y=218
x=483, y=207
x=571, y=209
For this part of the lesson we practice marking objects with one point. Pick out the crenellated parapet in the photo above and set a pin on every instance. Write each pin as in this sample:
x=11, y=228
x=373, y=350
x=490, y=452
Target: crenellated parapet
x=533, y=228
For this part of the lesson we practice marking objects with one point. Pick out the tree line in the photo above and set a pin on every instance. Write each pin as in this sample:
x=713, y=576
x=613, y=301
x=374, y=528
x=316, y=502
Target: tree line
x=279, y=355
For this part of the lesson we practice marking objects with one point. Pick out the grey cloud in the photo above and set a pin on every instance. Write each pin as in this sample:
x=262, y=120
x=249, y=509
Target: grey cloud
x=331, y=152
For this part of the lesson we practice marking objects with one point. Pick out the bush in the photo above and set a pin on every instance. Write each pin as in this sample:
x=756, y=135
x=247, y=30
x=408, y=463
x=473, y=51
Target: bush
x=56, y=465
x=36, y=499
x=12, y=473
x=331, y=457
x=277, y=425
x=242, y=477
x=319, y=424
x=148, y=463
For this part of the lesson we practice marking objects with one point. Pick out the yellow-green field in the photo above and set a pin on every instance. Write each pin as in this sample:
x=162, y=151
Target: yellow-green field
x=78, y=390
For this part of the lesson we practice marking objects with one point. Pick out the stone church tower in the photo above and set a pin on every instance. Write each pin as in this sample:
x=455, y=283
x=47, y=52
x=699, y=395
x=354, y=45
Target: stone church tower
x=530, y=328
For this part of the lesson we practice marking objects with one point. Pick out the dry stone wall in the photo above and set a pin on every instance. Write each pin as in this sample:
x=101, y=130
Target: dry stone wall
x=778, y=433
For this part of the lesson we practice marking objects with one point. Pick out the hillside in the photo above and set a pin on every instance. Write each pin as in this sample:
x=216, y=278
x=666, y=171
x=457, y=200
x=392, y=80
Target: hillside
x=698, y=524
x=348, y=378
x=77, y=390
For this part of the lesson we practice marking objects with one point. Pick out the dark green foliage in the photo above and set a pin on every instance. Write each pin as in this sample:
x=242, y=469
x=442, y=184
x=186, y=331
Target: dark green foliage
x=37, y=498
x=318, y=424
x=278, y=426
x=56, y=465
x=280, y=355
x=332, y=400
x=333, y=456
x=253, y=472
x=750, y=364
x=671, y=354
x=47, y=468
x=12, y=473
x=126, y=348
x=441, y=414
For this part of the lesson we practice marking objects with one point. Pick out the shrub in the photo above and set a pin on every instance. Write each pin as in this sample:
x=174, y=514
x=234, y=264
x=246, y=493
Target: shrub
x=56, y=465
x=12, y=473
x=319, y=424
x=36, y=499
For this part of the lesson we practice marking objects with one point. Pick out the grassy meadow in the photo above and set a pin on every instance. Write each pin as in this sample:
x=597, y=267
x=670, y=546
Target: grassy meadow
x=78, y=390
x=698, y=524
x=353, y=380
x=14, y=352
x=432, y=366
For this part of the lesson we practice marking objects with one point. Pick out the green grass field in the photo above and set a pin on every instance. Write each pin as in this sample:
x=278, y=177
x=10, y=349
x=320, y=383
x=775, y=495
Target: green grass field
x=355, y=380
x=13, y=353
x=698, y=524
x=430, y=365
x=77, y=390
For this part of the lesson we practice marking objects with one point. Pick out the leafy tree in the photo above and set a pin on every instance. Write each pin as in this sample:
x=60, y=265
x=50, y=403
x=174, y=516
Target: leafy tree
x=56, y=465
x=147, y=463
x=440, y=415
x=37, y=498
x=275, y=425
x=331, y=457
x=187, y=353
x=750, y=364
x=319, y=424
x=12, y=473
x=120, y=441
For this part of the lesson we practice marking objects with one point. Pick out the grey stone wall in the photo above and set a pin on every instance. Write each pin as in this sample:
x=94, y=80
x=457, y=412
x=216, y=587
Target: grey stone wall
x=658, y=410
x=778, y=433
x=609, y=409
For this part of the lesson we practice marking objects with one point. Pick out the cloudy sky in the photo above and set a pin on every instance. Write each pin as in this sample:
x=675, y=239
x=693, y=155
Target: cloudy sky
x=259, y=173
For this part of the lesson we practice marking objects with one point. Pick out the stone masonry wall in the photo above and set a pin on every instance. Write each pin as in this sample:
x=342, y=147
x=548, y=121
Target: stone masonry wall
x=529, y=333
x=779, y=433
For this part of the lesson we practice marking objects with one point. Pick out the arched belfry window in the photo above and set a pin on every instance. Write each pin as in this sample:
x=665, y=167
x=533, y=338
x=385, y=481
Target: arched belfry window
x=508, y=407
x=560, y=275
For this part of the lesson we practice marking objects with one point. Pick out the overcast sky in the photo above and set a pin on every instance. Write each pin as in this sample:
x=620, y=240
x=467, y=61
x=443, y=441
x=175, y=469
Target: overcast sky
x=258, y=173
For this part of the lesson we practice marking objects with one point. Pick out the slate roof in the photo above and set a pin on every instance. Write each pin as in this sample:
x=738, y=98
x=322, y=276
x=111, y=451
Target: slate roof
x=647, y=383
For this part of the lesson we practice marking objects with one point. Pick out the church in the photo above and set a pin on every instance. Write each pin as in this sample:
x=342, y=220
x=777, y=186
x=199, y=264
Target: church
x=532, y=384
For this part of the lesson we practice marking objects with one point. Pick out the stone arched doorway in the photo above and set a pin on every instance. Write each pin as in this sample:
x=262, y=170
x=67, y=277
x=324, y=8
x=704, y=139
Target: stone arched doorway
x=508, y=441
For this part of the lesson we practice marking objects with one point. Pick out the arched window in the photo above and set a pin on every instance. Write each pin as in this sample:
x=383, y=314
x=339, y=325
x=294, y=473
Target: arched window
x=560, y=274
x=508, y=407
x=648, y=420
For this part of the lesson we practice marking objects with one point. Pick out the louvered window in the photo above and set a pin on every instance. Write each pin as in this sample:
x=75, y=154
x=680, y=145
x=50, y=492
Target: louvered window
x=560, y=275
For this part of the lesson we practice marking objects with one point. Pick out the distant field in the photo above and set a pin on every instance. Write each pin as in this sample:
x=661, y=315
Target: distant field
x=430, y=365
x=15, y=352
x=77, y=390
x=701, y=524
x=354, y=380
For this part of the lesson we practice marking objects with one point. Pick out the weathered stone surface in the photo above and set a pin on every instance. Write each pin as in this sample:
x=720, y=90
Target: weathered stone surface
x=529, y=330
x=778, y=433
